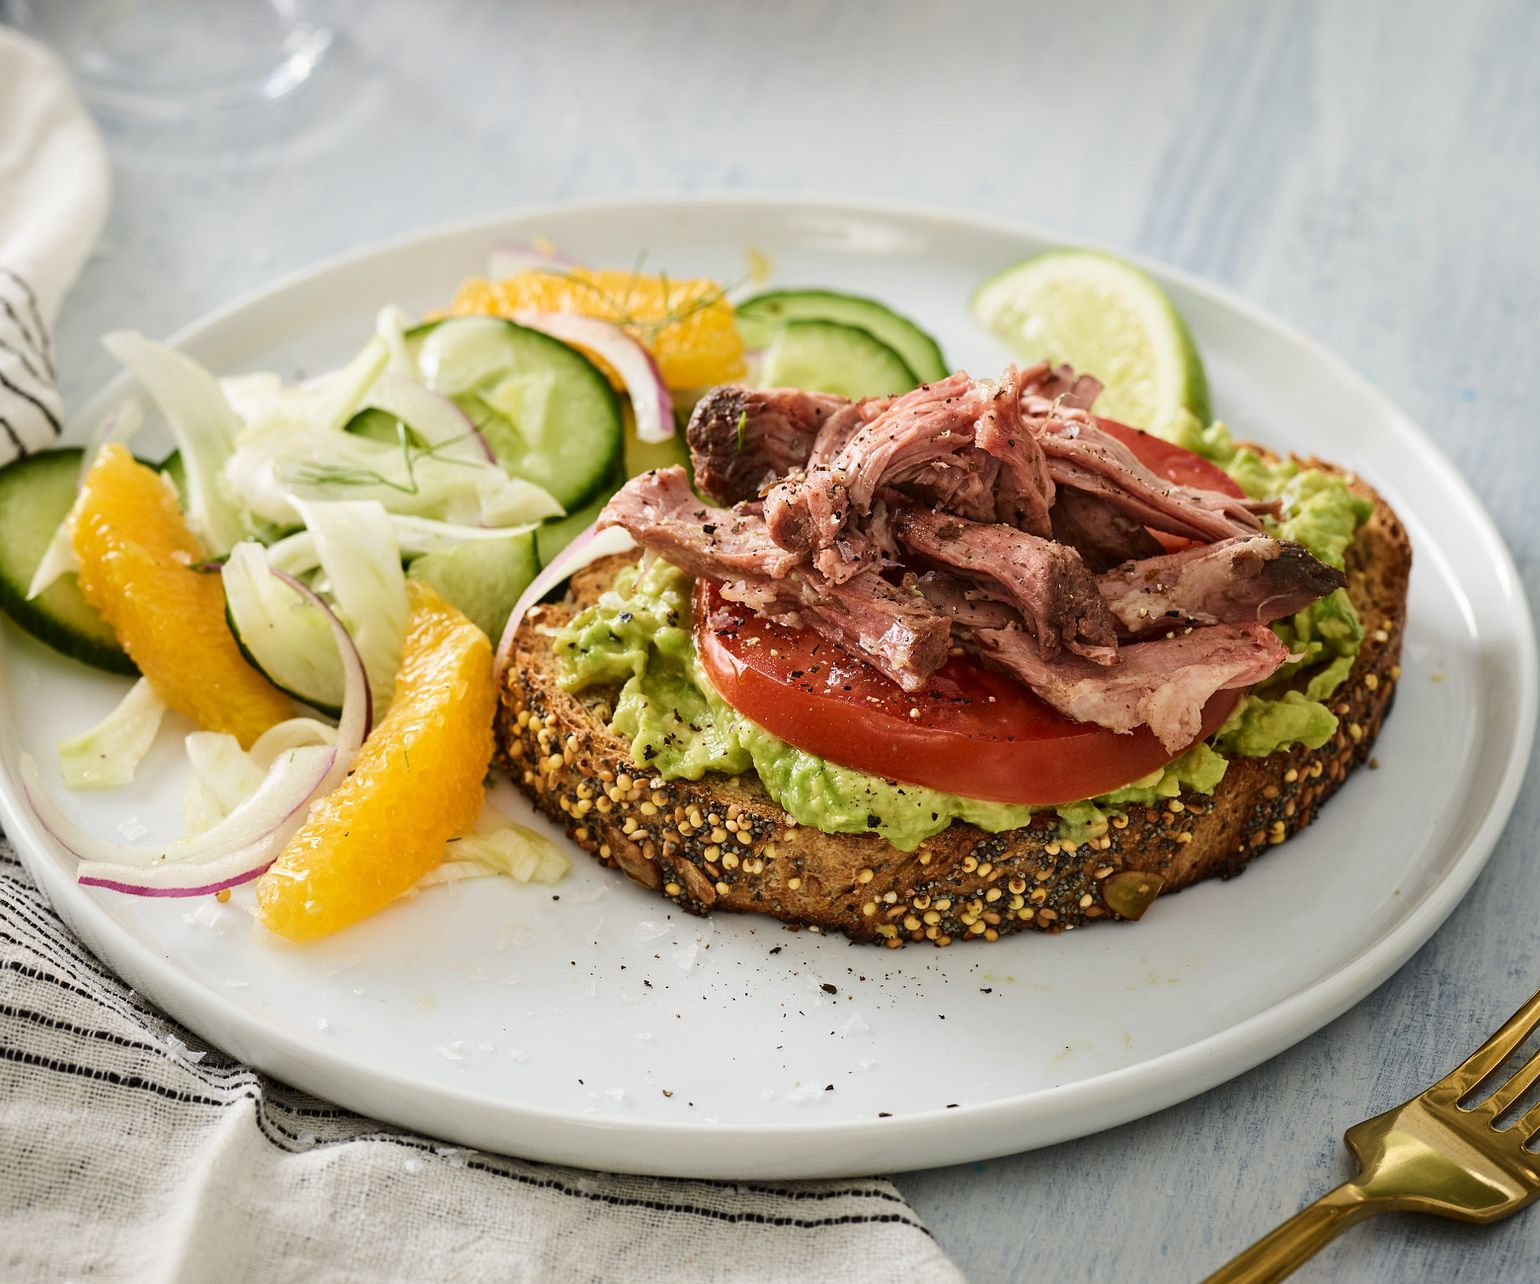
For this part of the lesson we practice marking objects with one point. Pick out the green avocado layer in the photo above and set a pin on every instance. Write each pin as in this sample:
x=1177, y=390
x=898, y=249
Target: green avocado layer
x=637, y=636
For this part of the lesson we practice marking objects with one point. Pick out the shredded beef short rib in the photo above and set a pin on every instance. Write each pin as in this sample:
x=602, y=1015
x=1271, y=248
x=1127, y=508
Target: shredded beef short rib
x=1104, y=536
x=1082, y=456
x=1163, y=684
x=741, y=439
x=1060, y=384
x=895, y=629
x=997, y=515
x=1046, y=582
x=1024, y=491
x=1257, y=579
x=968, y=605
x=662, y=513
x=958, y=445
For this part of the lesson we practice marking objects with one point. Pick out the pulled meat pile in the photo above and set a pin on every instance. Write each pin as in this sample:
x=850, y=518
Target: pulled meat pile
x=994, y=516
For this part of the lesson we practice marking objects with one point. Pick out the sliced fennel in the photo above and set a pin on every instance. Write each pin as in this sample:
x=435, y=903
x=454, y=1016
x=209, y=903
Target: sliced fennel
x=347, y=388
x=250, y=395
x=109, y=753
x=220, y=765
x=362, y=565
x=281, y=457
x=415, y=536
x=280, y=632
x=204, y=425
x=496, y=845
x=390, y=326
x=224, y=775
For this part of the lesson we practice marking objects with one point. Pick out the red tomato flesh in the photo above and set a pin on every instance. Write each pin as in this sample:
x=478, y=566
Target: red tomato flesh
x=974, y=732
x=1172, y=461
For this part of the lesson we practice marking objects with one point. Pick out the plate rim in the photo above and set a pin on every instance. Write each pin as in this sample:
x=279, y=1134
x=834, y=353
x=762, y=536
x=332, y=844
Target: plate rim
x=1107, y=1099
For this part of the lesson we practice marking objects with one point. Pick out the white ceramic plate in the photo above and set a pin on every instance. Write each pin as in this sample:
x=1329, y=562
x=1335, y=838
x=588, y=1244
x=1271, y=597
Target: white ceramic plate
x=607, y=1029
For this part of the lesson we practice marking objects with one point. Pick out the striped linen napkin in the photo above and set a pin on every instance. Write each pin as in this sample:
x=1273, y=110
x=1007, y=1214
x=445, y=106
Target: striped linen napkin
x=54, y=188
x=132, y=1151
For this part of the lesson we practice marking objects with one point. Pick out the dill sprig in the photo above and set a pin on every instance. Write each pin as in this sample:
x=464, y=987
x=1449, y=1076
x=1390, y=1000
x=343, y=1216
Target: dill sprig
x=327, y=475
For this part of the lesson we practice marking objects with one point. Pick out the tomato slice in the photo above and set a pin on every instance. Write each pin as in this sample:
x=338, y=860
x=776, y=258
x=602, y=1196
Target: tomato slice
x=1171, y=461
x=1174, y=464
x=974, y=732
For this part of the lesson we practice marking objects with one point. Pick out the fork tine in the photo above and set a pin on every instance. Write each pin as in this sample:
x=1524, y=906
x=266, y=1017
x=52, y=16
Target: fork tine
x=1523, y=1079
x=1495, y=1050
x=1528, y=1125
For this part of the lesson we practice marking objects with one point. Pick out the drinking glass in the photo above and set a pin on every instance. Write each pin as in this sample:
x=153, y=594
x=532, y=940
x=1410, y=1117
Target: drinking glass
x=175, y=58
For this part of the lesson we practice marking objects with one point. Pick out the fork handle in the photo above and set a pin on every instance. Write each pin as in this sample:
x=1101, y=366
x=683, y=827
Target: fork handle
x=1285, y=1250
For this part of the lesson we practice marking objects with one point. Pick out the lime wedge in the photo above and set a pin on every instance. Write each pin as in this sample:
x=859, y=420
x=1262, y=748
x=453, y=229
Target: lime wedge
x=1106, y=318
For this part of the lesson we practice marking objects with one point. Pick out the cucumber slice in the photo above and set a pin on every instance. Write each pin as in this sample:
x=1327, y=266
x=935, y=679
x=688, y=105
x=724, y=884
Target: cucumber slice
x=546, y=410
x=555, y=534
x=36, y=494
x=377, y=425
x=759, y=316
x=829, y=356
x=483, y=579
x=281, y=633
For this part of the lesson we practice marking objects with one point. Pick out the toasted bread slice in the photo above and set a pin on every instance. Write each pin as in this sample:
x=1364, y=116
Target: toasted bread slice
x=721, y=843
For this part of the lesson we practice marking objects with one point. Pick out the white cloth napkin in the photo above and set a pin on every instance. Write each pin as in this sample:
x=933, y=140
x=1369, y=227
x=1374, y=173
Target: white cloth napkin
x=131, y=1151
x=54, y=188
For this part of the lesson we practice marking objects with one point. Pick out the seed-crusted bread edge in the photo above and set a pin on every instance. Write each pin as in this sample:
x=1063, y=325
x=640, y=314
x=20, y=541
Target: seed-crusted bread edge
x=721, y=843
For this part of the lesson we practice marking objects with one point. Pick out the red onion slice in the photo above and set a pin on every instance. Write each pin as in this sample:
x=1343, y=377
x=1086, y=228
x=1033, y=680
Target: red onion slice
x=511, y=258
x=650, y=399
x=246, y=841
x=295, y=780
x=202, y=878
x=431, y=415
x=584, y=550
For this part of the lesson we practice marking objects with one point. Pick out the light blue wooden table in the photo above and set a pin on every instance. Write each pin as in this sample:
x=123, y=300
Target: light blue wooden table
x=1368, y=171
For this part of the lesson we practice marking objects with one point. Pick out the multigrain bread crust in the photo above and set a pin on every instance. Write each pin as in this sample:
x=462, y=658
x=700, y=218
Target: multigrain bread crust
x=721, y=843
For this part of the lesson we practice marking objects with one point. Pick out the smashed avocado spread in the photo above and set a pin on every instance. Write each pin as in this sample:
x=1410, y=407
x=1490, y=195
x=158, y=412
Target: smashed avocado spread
x=1320, y=512
x=637, y=637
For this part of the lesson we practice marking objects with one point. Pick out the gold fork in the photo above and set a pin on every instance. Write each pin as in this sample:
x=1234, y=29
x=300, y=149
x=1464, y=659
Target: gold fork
x=1429, y=1155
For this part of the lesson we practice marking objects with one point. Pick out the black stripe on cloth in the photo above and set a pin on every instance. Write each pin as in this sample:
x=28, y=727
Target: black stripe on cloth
x=40, y=341
x=208, y=1075
x=231, y=1078
x=22, y=328
x=529, y=1181
x=16, y=441
x=23, y=350
x=109, y=991
x=31, y=912
x=73, y=984
x=53, y=419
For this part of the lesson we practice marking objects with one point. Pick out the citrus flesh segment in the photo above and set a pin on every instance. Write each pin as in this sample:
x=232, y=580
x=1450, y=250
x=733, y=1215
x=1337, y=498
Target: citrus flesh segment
x=136, y=556
x=1106, y=318
x=418, y=780
x=686, y=325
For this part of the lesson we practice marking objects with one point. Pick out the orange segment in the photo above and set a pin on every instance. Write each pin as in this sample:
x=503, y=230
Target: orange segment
x=416, y=783
x=135, y=555
x=687, y=325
